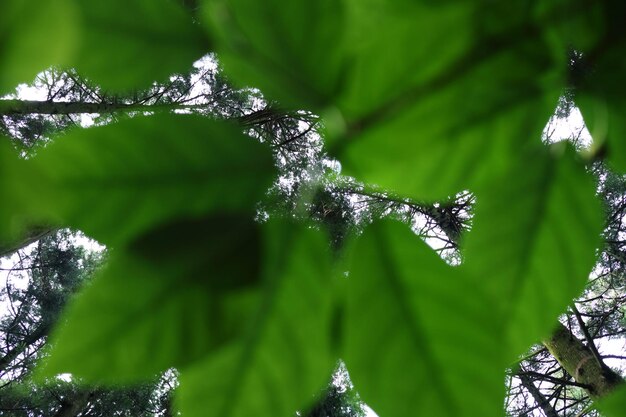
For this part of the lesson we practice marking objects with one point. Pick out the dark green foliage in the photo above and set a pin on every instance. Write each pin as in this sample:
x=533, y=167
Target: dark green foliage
x=335, y=214
x=26, y=400
x=54, y=268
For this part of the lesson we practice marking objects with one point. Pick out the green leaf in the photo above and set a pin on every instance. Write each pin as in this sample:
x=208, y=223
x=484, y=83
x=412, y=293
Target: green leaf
x=130, y=44
x=431, y=121
x=175, y=295
x=11, y=190
x=533, y=242
x=121, y=45
x=602, y=104
x=283, y=359
x=33, y=37
x=291, y=50
x=387, y=64
x=115, y=181
x=456, y=130
x=574, y=25
x=614, y=405
x=420, y=338
x=465, y=99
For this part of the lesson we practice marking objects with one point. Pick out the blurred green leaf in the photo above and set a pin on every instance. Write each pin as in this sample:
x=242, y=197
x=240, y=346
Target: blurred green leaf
x=115, y=181
x=8, y=162
x=33, y=37
x=614, y=405
x=602, y=102
x=459, y=128
x=573, y=24
x=121, y=45
x=395, y=46
x=11, y=192
x=604, y=117
x=127, y=45
x=291, y=50
x=482, y=81
x=533, y=243
x=421, y=339
x=283, y=358
x=165, y=302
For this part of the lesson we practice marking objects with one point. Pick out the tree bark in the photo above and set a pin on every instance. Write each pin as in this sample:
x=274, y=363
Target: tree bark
x=23, y=107
x=581, y=363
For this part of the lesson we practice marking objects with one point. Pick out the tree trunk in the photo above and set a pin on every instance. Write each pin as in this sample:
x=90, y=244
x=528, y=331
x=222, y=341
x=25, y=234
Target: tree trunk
x=22, y=107
x=581, y=363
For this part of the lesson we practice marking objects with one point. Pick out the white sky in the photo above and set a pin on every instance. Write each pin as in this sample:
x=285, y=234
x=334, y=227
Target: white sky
x=572, y=127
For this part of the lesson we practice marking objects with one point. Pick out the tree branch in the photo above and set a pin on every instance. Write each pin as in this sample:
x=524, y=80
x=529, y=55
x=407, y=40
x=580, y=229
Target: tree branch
x=540, y=399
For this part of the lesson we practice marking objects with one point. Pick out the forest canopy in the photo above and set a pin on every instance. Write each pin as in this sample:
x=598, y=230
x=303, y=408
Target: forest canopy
x=291, y=191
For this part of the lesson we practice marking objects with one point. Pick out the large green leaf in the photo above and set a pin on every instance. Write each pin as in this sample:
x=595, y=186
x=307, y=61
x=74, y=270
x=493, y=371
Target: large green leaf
x=433, y=120
x=121, y=45
x=131, y=44
x=283, y=359
x=115, y=181
x=604, y=117
x=395, y=46
x=574, y=25
x=165, y=302
x=420, y=338
x=457, y=129
x=533, y=242
x=33, y=37
x=9, y=165
x=409, y=87
x=292, y=50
